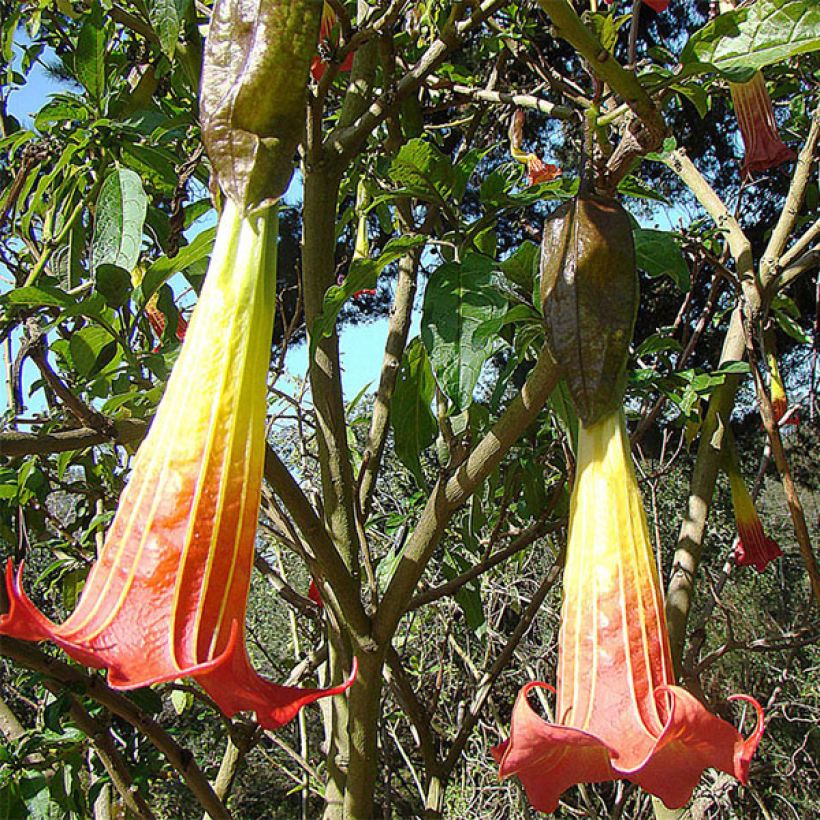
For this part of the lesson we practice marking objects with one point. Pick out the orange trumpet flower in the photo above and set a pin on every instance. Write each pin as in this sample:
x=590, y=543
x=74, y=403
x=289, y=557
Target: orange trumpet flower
x=758, y=127
x=319, y=64
x=168, y=594
x=618, y=712
x=753, y=547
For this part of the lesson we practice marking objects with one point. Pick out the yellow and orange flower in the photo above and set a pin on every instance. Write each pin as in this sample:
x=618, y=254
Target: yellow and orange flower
x=537, y=169
x=319, y=64
x=618, y=712
x=758, y=127
x=778, y=397
x=168, y=594
x=753, y=547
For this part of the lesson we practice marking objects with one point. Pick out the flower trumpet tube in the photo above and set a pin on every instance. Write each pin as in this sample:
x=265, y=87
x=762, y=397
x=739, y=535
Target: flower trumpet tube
x=758, y=127
x=778, y=397
x=618, y=712
x=753, y=547
x=168, y=594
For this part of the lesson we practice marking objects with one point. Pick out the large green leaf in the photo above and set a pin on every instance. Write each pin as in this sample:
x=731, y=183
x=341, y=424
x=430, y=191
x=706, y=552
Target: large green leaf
x=89, y=61
x=166, y=18
x=658, y=254
x=91, y=348
x=120, y=215
x=412, y=420
x=165, y=267
x=424, y=171
x=741, y=41
x=39, y=296
x=458, y=300
x=362, y=275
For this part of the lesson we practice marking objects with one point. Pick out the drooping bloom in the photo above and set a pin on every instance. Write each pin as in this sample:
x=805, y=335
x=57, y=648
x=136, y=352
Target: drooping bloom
x=319, y=64
x=618, y=712
x=779, y=399
x=758, y=127
x=156, y=318
x=537, y=169
x=168, y=594
x=753, y=547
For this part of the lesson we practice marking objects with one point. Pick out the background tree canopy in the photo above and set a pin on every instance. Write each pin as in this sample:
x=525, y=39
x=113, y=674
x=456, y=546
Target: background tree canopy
x=430, y=508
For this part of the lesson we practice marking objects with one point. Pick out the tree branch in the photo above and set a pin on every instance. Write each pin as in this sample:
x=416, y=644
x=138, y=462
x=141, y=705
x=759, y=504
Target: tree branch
x=92, y=685
x=791, y=208
x=343, y=142
x=16, y=444
x=448, y=495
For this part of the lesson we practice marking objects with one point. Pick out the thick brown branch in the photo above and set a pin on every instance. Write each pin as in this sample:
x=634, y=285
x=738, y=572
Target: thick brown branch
x=16, y=444
x=449, y=494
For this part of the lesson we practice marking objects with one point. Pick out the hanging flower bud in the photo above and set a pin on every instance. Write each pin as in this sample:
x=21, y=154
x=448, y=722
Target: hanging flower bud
x=589, y=294
x=779, y=399
x=753, y=547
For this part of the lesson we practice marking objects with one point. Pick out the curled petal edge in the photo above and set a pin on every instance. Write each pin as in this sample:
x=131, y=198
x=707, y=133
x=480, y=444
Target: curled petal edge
x=549, y=758
x=229, y=679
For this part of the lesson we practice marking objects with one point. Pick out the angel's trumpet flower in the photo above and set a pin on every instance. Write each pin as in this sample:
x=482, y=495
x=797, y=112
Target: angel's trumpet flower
x=168, y=594
x=156, y=318
x=618, y=712
x=537, y=169
x=758, y=127
x=753, y=547
x=779, y=399
x=319, y=64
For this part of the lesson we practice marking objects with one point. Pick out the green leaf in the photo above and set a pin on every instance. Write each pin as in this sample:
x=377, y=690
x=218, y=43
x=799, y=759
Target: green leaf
x=114, y=284
x=362, y=275
x=424, y=171
x=155, y=165
x=466, y=168
x=459, y=298
x=747, y=39
x=790, y=327
x=165, y=267
x=89, y=60
x=521, y=266
x=181, y=701
x=630, y=185
x=605, y=27
x=414, y=425
x=166, y=18
x=87, y=347
x=39, y=296
x=61, y=108
x=658, y=254
x=120, y=216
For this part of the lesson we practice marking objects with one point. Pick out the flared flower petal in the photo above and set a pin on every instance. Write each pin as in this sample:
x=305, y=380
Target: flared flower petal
x=618, y=714
x=168, y=594
x=753, y=547
x=758, y=127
